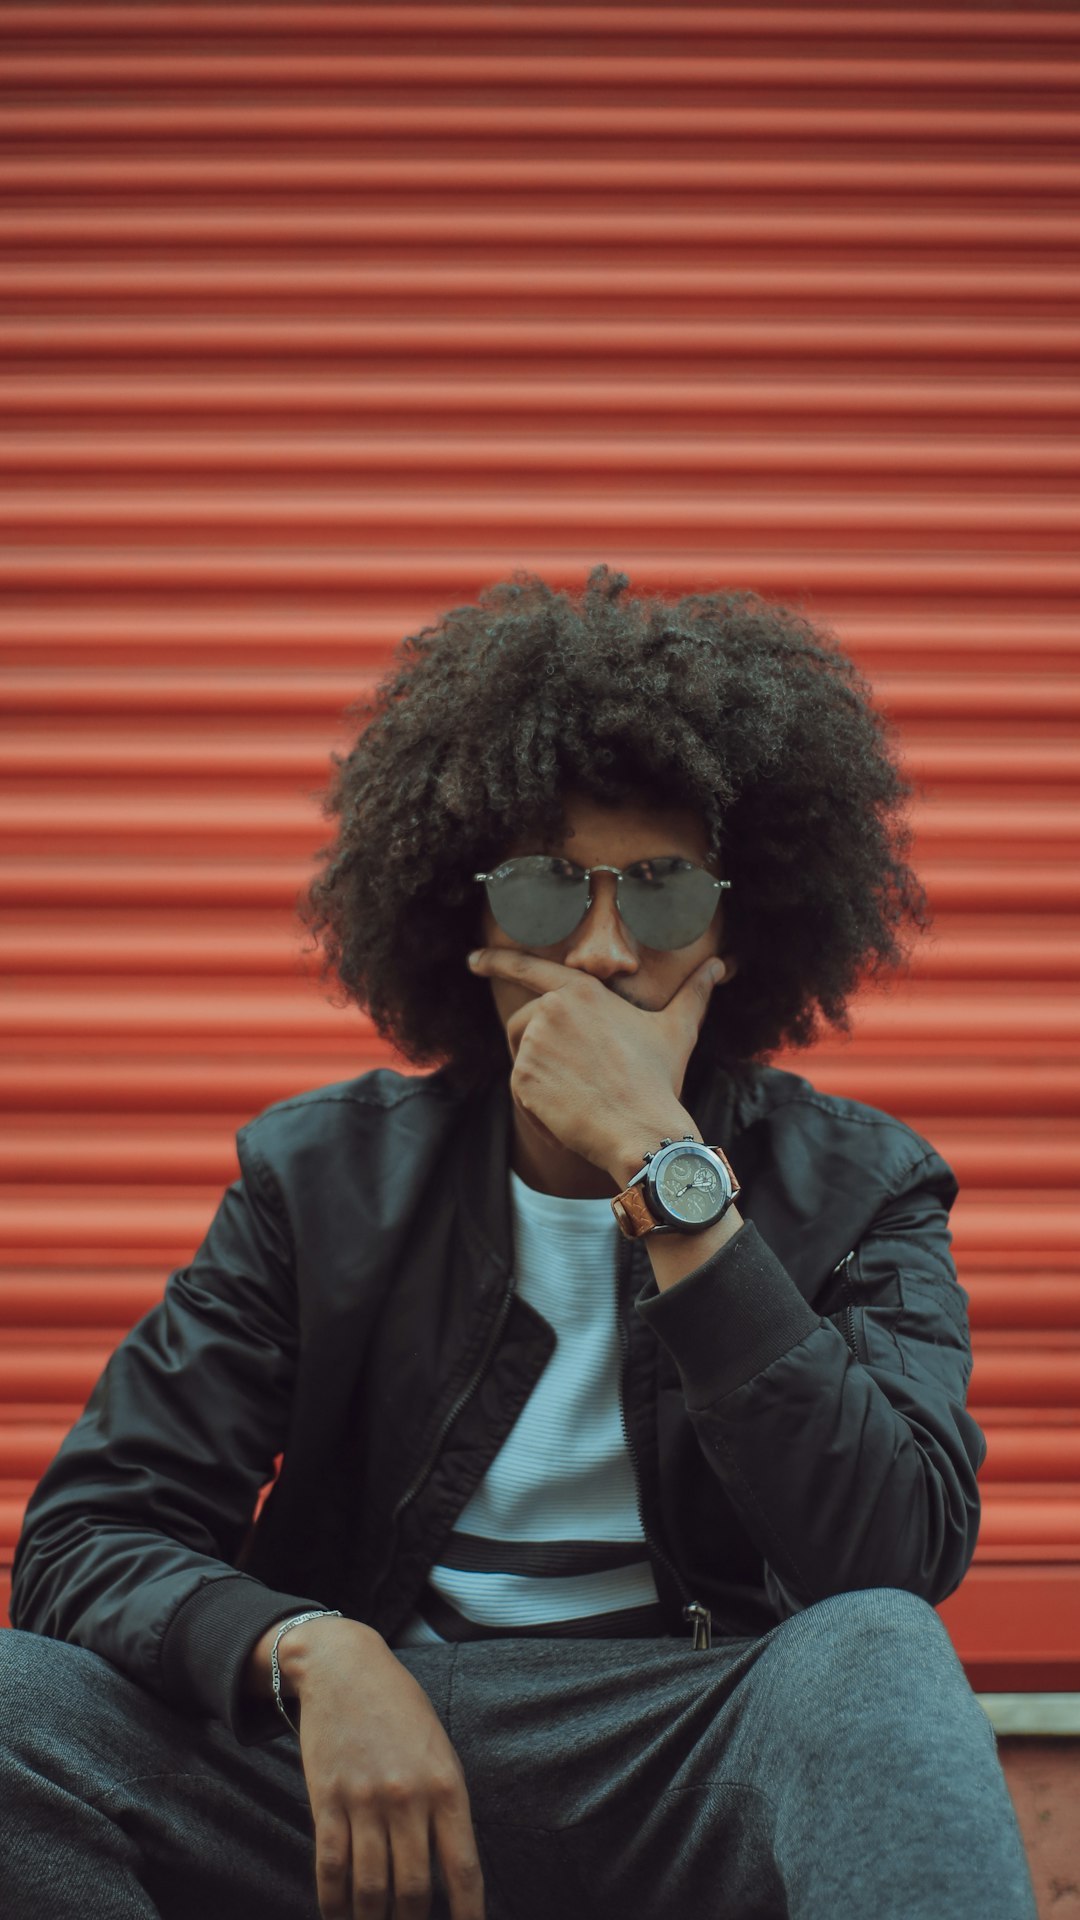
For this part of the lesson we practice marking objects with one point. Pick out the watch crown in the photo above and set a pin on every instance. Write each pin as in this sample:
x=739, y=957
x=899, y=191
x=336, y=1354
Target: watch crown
x=647, y=1157
x=667, y=1143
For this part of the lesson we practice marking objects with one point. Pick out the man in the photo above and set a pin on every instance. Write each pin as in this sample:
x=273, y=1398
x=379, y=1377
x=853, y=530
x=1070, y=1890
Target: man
x=617, y=1379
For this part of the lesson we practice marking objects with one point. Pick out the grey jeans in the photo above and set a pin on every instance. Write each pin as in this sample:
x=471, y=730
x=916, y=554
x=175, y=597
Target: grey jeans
x=839, y=1765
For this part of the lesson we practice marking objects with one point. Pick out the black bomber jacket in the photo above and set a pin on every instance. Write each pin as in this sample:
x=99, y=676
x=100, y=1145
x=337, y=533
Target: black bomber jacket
x=794, y=1407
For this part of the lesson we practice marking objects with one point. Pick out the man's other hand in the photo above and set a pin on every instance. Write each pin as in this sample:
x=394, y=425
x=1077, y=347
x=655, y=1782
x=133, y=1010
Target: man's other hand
x=387, y=1790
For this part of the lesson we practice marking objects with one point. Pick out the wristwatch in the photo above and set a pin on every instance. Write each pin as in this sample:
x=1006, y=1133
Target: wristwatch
x=682, y=1188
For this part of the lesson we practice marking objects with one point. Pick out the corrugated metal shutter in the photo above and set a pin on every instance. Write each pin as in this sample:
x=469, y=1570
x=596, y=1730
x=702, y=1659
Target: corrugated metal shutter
x=317, y=319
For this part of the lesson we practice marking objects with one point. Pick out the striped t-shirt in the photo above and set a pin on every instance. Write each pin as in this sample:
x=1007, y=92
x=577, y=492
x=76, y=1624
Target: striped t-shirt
x=551, y=1540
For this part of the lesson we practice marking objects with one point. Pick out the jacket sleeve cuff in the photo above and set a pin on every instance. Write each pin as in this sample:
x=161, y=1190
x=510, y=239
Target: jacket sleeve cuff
x=206, y=1648
x=729, y=1319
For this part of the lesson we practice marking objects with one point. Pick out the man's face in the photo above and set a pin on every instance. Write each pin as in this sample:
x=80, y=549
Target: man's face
x=602, y=944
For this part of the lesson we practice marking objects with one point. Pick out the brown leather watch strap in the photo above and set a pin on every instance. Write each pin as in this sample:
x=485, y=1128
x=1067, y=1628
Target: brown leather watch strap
x=632, y=1213
x=721, y=1155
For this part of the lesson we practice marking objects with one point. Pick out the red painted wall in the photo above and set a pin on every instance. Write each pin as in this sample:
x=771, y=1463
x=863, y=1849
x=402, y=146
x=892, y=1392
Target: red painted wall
x=317, y=319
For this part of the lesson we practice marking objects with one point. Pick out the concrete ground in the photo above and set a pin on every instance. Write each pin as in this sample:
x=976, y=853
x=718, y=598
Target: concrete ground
x=1043, y=1775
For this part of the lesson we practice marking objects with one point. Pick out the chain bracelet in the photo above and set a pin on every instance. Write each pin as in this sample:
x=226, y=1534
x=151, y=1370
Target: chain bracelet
x=297, y=1620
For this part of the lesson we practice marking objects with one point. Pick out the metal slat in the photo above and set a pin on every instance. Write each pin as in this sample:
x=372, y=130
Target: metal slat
x=61, y=1302
x=238, y=1083
x=209, y=576
x=425, y=457
x=328, y=694
x=244, y=121
x=720, y=186
x=699, y=74
x=162, y=20
x=796, y=238
x=790, y=342
x=363, y=640
x=318, y=515
x=921, y=401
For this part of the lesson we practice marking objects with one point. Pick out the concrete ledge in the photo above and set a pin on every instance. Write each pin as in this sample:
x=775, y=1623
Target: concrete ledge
x=1041, y=1714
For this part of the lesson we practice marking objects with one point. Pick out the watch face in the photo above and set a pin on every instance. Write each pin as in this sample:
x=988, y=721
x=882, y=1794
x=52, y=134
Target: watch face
x=690, y=1188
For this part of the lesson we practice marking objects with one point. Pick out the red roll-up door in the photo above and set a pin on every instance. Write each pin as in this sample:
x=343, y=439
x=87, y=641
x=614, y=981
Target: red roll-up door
x=316, y=319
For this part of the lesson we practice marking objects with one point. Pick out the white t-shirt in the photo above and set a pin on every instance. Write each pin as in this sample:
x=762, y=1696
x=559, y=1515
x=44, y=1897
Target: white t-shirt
x=551, y=1539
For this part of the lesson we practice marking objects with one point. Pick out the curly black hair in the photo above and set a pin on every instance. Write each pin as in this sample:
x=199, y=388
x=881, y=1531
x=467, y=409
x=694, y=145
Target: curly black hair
x=720, y=702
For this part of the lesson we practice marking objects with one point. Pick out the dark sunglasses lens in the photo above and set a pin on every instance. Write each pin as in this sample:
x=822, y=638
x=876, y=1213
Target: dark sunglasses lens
x=537, y=900
x=667, y=903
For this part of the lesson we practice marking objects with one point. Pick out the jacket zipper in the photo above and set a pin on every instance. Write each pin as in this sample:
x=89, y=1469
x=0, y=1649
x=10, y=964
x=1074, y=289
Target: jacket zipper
x=462, y=1400
x=699, y=1616
x=843, y=1268
x=445, y=1425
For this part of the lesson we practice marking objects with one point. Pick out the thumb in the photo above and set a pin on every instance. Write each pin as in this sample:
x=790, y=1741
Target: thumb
x=691, y=1003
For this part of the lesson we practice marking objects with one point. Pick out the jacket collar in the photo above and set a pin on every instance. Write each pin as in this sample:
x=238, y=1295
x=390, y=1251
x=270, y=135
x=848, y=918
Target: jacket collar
x=481, y=1155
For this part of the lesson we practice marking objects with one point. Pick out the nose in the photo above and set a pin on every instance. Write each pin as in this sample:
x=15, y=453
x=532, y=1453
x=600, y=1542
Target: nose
x=601, y=945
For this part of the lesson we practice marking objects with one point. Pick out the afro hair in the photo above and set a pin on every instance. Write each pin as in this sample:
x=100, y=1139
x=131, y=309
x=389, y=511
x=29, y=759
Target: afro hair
x=722, y=702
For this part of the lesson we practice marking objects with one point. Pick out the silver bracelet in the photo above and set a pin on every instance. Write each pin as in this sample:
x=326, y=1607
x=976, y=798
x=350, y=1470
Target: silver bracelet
x=298, y=1620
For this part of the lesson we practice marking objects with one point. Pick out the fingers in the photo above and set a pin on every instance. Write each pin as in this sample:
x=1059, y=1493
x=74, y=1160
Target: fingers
x=504, y=963
x=370, y=1871
x=516, y=1025
x=410, y=1853
x=333, y=1865
x=455, y=1844
x=690, y=1005
x=382, y=1870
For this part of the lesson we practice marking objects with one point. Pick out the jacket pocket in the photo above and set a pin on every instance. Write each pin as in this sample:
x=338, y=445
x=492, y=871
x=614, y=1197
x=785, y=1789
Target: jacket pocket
x=868, y=1325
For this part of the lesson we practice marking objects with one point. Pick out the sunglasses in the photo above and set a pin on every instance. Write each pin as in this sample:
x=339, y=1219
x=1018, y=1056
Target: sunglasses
x=540, y=898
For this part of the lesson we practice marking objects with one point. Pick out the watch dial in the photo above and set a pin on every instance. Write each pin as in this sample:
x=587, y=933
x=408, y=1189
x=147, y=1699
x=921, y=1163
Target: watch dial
x=689, y=1187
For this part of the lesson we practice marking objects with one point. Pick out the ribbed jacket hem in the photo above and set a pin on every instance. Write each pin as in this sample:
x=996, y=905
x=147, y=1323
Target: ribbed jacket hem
x=729, y=1319
x=206, y=1647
